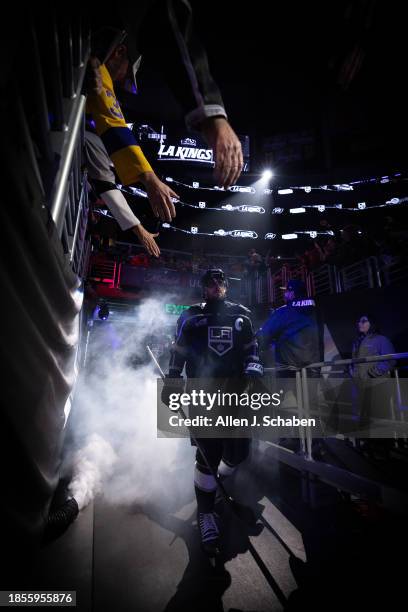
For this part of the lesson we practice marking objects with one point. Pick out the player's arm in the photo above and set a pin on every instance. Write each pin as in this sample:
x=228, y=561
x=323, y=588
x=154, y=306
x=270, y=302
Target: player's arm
x=174, y=382
x=179, y=348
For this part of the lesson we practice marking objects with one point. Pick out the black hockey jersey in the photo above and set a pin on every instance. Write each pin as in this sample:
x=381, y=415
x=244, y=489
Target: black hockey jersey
x=215, y=340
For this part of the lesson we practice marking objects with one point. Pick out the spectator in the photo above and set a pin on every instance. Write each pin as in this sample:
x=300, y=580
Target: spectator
x=329, y=251
x=367, y=394
x=313, y=257
x=293, y=331
x=114, y=139
x=115, y=58
x=370, y=342
x=195, y=263
x=184, y=67
x=254, y=262
x=102, y=178
x=272, y=262
x=293, y=328
x=353, y=247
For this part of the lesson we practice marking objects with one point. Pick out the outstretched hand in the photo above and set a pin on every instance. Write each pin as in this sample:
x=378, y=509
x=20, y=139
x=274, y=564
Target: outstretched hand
x=147, y=240
x=227, y=150
x=160, y=196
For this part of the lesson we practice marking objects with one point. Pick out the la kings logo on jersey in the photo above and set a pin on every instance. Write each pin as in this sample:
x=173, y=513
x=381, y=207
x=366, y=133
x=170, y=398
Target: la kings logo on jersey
x=220, y=339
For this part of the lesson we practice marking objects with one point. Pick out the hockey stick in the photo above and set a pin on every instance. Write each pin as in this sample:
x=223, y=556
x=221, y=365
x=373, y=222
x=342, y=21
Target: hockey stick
x=244, y=513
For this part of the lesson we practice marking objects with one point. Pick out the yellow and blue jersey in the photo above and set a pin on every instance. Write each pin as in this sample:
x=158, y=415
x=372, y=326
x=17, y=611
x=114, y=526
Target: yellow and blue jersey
x=119, y=140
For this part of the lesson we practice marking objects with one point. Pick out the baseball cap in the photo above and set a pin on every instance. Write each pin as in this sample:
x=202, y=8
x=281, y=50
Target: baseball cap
x=297, y=286
x=103, y=43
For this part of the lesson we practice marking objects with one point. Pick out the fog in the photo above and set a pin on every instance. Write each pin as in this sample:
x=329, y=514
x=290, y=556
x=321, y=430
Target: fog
x=115, y=450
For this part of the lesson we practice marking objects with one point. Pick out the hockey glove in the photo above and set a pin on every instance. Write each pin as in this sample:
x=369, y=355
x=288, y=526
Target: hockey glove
x=171, y=385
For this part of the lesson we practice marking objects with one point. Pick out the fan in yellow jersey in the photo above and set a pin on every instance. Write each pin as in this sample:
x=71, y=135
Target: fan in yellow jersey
x=185, y=66
x=120, y=143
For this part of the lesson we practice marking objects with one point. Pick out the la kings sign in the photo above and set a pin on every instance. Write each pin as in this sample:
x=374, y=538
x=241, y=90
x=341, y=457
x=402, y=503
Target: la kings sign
x=182, y=153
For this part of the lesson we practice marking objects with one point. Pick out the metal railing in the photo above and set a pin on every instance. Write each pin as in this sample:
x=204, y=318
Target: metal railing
x=324, y=281
x=55, y=116
x=330, y=474
x=359, y=275
x=103, y=272
x=368, y=273
x=394, y=271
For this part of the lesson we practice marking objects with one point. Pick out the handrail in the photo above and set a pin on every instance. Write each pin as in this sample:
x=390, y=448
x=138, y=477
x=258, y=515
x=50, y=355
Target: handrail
x=328, y=473
x=321, y=364
x=374, y=358
x=59, y=202
x=77, y=224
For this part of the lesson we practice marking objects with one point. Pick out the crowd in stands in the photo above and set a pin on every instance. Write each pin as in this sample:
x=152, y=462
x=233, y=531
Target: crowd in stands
x=352, y=244
x=197, y=262
x=346, y=246
x=188, y=262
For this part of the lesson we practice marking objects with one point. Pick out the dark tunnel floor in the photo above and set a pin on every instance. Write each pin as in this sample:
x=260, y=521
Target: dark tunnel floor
x=147, y=557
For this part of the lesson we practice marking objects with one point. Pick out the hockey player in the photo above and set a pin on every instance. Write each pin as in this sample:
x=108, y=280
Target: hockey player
x=214, y=339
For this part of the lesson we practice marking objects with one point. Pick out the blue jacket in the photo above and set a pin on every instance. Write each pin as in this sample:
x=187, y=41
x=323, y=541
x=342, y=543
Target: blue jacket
x=294, y=331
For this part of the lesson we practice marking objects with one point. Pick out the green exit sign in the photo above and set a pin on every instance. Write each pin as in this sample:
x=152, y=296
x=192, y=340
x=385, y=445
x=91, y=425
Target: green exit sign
x=175, y=309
